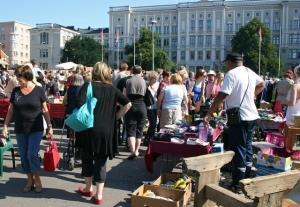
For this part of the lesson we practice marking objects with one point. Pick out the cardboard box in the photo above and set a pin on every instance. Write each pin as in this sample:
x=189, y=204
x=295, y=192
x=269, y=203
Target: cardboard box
x=281, y=163
x=164, y=178
x=138, y=200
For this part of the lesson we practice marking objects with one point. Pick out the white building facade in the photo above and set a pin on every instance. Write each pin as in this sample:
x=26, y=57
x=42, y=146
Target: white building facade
x=15, y=41
x=199, y=33
x=47, y=43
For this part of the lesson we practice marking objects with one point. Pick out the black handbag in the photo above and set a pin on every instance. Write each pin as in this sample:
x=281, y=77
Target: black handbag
x=234, y=114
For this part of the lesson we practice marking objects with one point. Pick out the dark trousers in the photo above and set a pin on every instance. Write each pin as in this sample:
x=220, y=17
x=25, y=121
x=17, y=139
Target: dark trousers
x=93, y=166
x=240, y=141
x=152, y=117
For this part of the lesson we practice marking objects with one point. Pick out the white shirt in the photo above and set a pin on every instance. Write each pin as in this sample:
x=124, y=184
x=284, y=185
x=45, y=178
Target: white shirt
x=235, y=85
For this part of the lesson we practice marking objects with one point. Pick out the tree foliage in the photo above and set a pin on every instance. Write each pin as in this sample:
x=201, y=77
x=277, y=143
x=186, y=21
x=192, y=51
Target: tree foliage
x=82, y=50
x=143, y=52
x=246, y=42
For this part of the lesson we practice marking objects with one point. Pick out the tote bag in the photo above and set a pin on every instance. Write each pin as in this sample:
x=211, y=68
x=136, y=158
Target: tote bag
x=83, y=118
x=51, y=156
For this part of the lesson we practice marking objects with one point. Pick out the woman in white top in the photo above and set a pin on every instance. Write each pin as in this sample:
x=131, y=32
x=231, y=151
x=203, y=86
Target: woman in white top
x=293, y=98
x=169, y=101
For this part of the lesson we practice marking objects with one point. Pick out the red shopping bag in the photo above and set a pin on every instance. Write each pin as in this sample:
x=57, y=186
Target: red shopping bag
x=51, y=156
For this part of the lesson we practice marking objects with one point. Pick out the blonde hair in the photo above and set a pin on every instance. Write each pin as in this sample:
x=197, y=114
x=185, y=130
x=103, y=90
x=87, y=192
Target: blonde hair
x=101, y=72
x=152, y=77
x=183, y=73
x=176, y=79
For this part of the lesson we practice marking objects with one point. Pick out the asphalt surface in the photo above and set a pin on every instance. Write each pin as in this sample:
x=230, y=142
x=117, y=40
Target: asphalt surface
x=123, y=177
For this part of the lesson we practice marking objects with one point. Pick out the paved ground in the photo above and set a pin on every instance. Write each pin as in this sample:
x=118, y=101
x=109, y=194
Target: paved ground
x=59, y=187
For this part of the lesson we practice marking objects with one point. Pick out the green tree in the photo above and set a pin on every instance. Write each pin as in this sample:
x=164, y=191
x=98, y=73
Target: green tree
x=82, y=50
x=246, y=42
x=143, y=52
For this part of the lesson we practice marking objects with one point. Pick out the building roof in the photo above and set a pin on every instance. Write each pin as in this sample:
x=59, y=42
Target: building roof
x=98, y=30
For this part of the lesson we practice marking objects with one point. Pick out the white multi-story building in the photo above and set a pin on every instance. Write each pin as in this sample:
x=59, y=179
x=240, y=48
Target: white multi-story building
x=199, y=33
x=47, y=43
x=15, y=41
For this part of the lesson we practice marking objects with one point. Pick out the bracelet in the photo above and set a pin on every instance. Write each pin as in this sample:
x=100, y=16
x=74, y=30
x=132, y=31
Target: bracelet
x=49, y=125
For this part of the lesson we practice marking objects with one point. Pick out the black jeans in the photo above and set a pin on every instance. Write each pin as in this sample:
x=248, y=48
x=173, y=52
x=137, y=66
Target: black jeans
x=240, y=141
x=93, y=166
x=152, y=117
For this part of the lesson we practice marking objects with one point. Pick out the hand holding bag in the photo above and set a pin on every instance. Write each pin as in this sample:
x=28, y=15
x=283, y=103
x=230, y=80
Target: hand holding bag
x=51, y=156
x=83, y=118
x=234, y=114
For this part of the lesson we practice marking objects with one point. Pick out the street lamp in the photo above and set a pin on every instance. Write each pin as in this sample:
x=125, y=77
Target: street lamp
x=153, y=22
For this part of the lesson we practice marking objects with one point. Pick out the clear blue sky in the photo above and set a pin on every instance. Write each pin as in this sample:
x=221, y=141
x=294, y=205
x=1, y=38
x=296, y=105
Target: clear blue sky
x=80, y=13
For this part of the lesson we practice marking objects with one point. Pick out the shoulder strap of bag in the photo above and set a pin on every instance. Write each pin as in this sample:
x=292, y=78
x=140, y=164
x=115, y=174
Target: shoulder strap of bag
x=246, y=89
x=89, y=92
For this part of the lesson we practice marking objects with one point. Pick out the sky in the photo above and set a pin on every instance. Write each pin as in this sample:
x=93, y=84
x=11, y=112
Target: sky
x=79, y=13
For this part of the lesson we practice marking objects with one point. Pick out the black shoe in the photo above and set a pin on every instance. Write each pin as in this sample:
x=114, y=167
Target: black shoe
x=131, y=157
x=236, y=189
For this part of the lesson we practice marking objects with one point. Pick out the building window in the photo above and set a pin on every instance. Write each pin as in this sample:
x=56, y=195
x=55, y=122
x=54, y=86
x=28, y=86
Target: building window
x=208, y=40
x=166, y=29
x=257, y=14
x=166, y=42
x=193, y=26
x=174, y=42
x=182, y=55
x=208, y=16
x=208, y=55
x=44, y=66
x=238, y=15
x=192, y=41
x=218, y=40
x=158, y=29
x=143, y=19
x=174, y=17
x=44, y=38
x=228, y=41
x=200, y=25
x=182, y=41
x=295, y=24
x=43, y=53
x=218, y=55
x=276, y=40
x=200, y=55
x=158, y=43
x=200, y=40
x=208, y=25
x=158, y=18
x=238, y=26
x=192, y=55
x=294, y=54
x=294, y=39
x=267, y=24
x=229, y=27
x=229, y=15
x=276, y=25
x=174, y=29
x=174, y=56
x=166, y=18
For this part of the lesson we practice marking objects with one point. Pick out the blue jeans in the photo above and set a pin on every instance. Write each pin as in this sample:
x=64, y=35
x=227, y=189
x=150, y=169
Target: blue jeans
x=29, y=147
x=240, y=141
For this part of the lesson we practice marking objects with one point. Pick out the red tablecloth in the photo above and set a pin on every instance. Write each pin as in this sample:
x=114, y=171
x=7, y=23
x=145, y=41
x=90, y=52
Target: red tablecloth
x=4, y=103
x=157, y=148
x=56, y=111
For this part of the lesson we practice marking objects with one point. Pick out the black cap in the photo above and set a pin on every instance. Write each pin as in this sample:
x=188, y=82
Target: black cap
x=234, y=57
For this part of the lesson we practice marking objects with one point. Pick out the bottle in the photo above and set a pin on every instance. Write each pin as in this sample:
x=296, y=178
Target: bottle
x=202, y=132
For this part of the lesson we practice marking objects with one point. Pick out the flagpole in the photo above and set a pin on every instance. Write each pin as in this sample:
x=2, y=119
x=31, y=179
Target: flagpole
x=259, y=49
x=118, y=53
x=134, y=46
x=102, y=45
x=279, y=51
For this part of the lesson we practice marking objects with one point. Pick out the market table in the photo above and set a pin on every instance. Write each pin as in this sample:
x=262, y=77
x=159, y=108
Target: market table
x=56, y=110
x=158, y=148
x=4, y=103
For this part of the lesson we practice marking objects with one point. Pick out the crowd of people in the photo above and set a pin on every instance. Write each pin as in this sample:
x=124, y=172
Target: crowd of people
x=131, y=97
